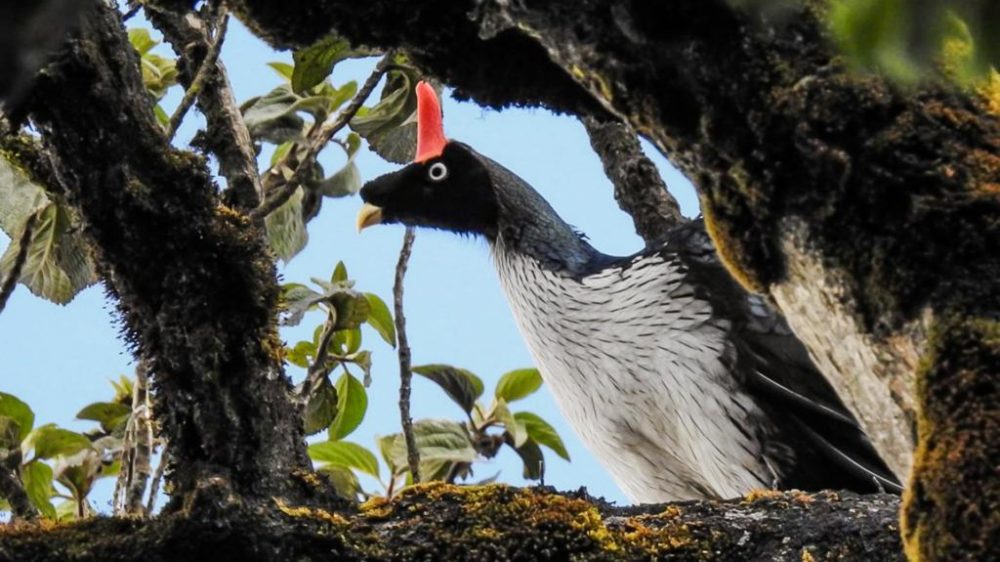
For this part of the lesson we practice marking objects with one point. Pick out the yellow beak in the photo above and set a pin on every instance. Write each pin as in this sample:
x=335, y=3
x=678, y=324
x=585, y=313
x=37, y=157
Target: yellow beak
x=369, y=215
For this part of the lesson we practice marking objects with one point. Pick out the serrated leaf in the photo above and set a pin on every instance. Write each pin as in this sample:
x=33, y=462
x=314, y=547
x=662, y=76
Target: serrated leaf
x=57, y=266
x=18, y=411
x=352, y=404
x=344, y=481
x=518, y=384
x=50, y=441
x=282, y=68
x=286, y=231
x=37, y=479
x=533, y=460
x=321, y=408
x=462, y=386
x=380, y=319
x=110, y=415
x=345, y=454
x=541, y=432
x=315, y=62
x=516, y=429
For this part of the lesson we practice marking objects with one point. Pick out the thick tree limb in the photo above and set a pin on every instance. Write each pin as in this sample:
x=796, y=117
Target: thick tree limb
x=195, y=286
x=865, y=211
x=442, y=522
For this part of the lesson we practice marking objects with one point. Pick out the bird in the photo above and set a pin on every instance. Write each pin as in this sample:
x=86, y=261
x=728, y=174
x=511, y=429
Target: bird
x=683, y=384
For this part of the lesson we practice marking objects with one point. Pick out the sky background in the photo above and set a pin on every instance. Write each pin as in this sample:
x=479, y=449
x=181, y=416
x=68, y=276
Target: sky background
x=60, y=358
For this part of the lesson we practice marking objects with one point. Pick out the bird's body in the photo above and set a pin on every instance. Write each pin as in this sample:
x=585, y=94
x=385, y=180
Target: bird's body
x=680, y=382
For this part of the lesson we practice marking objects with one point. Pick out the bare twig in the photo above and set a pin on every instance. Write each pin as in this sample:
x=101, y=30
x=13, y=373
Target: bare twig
x=316, y=371
x=405, y=374
x=154, y=486
x=205, y=71
x=639, y=189
x=19, y=260
x=139, y=466
x=320, y=138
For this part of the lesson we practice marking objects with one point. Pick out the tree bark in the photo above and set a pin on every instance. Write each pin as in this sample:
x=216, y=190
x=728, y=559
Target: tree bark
x=865, y=210
x=445, y=522
x=194, y=283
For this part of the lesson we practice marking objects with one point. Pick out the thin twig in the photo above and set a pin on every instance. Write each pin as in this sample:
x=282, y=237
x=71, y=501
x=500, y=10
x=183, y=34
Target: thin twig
x=205, y=71
x=317, y=370
x=131, y=13
x=19, y=260
x=405, y=374
x=142, y=444
x=320, y=139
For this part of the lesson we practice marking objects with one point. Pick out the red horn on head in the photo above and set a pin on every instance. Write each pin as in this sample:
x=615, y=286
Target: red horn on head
x=430, y=129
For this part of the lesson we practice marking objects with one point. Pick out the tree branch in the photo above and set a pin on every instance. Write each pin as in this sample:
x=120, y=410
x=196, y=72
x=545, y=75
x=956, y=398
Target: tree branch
x=403, y=351
x=639, y=188
x=226, y=134
x=443, y=522
x=22, y=256
x=319, y=140
x=205, y=70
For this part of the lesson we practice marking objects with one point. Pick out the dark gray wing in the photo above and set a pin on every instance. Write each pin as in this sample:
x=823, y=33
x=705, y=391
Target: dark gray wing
x=819, y=442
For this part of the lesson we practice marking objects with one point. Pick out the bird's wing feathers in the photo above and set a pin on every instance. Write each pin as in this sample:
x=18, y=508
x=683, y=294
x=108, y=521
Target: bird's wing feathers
x=828, y=443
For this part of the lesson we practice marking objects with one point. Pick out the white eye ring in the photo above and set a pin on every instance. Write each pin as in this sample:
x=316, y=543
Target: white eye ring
x=437, y=172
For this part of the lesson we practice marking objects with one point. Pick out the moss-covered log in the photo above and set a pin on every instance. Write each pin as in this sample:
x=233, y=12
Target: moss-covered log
x=482, y=524
x=193, y=280
x=866, y=210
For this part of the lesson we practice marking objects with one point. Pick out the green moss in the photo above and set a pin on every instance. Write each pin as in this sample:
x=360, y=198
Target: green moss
x=951, y=508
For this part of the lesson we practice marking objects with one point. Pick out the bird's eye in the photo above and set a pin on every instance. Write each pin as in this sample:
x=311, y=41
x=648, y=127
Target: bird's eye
x=437, y=172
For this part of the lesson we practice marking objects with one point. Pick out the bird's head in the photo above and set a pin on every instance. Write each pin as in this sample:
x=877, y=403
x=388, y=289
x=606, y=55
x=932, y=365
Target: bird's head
x=448, y=185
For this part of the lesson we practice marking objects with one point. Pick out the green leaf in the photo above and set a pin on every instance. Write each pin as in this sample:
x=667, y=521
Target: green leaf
x=352, y=309
x=141, y=40
x=321, y=408
x=297, y=299
x=339, y=273
x=315, y=62
x=345, y=454
x=346, y=181
x=50, y=441
x=533, y=459
x=124, y=389
x=37, y=479
x=302, y=354
x=272, y=117
x=380, y=319
x=282, y=68
x=78, y=472
x=516, y=429
x=386, y=446
x=437, y=441
x=20, y=195
x=542, y=433
x=518, y=384
x=462, y=386
x=18, y=411
x=57, y=266
x=286, y=230
x=346, y=342
x=352, y=403
x=363, y=359
x=158, y=74
x=110, y=415
x=344, y=481
x=389, y=126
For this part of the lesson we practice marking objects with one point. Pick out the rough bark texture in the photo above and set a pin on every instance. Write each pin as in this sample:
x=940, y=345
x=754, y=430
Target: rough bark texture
x=865, y=210
x=639, y=188
x=482, y=524
x=195, y=285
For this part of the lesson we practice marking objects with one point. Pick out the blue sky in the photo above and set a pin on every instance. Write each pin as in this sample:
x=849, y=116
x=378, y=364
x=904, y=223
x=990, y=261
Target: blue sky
x=59, y=359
